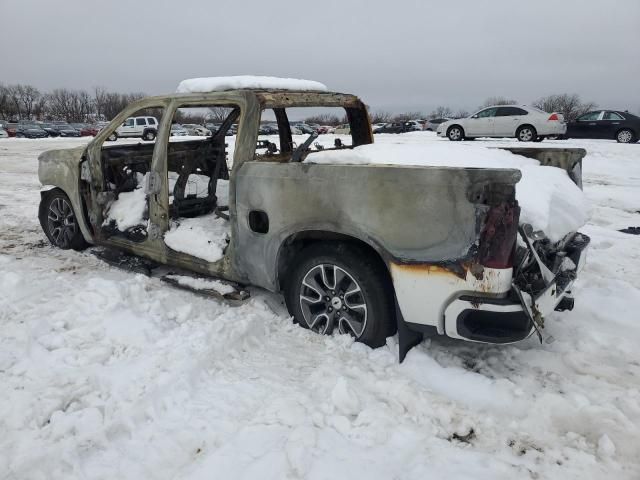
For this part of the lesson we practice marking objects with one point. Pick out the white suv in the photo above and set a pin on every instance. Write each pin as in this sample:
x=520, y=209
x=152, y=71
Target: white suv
x=143, y=127
x=527, y=124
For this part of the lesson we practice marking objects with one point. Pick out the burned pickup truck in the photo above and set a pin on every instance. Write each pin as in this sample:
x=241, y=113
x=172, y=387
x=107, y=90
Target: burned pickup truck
x=362, y=249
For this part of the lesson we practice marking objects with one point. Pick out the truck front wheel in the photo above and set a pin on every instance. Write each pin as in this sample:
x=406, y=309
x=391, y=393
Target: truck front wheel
x=59, y=222
x=339, y=287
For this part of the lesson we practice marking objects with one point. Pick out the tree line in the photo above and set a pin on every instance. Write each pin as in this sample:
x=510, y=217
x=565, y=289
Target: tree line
x=26, y=102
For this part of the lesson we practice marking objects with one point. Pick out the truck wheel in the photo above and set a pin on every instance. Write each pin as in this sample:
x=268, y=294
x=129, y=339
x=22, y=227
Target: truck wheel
x=336, y=286
x=526, y=133
x=149, y=135
x=59, y=222
x=625, y=136
x=113, y=137
x=455, y=133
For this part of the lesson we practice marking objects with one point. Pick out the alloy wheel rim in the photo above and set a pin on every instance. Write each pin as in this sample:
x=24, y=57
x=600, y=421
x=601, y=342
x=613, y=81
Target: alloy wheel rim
x=526, y=134
x=330, y=297
x=454, y=134
x=61, y=222
x=624, y=136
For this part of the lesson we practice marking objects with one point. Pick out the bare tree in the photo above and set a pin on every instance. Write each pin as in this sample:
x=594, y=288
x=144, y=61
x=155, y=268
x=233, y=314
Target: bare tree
x=217, y=114
x=27, y=96
x=441, y=112
x=71, y=105
x=5, y=107
x=497, y=101
x=569, y=105
x=13, y=101
x=462, y=113
x=99, y=101
x=381, y=117
x=403, y=117
x=323, y=119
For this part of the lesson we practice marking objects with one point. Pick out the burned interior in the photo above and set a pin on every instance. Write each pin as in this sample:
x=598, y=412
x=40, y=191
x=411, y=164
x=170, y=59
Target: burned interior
x=196, y=171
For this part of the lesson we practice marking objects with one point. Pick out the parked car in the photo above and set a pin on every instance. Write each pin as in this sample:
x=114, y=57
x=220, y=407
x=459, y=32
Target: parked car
x=358, y=249
x=50, y=129
x=233, y=130
x=65, y=130
x=266, y=129
x=196, y=130
x=11, y=128
x=90, y=131
x=395, y=127
x=342, y=129
x=376, y=126
x=82, y=128
x=137, y=127
x=304, y=128
x=3, y=133
x=30, y=131
x=432, y=125
x=527, y=124
x=212, y=127
x=606, y=124
x=414, y=125
x=178, y=130
x=323, y=129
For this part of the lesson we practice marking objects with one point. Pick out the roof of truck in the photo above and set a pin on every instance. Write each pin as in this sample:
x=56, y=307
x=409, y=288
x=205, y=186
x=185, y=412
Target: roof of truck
x=251, y=82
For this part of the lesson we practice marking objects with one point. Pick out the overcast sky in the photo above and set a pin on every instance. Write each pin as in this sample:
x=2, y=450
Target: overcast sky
x=395, y=54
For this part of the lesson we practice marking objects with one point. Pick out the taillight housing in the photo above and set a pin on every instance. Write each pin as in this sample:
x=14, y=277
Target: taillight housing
x=498, y=236
x=554, y=116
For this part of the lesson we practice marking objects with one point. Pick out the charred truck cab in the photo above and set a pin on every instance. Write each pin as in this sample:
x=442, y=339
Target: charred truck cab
x=359, y=249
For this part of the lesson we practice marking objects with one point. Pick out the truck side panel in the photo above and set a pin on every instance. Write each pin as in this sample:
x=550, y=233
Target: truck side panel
x=409, y=215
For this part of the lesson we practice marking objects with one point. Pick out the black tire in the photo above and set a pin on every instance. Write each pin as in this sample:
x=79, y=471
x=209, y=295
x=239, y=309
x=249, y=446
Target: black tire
x=526, y=133
x=59, y=221
x=469, y=139
x=539, y=139
x=19, y=135
x=625, y=135
x=113, y=137
x=149, y=135
x=370, y=325
x=455, y=133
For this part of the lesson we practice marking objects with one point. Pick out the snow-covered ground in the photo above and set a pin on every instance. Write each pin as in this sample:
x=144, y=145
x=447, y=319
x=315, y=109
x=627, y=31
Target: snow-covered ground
x=108, y=374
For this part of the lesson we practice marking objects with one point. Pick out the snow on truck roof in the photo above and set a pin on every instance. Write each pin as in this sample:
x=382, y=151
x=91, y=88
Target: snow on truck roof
x=218, y=84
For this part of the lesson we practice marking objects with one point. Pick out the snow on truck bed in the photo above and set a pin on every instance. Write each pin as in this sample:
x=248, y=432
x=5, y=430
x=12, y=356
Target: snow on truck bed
x=218, y=84
x=548, y=199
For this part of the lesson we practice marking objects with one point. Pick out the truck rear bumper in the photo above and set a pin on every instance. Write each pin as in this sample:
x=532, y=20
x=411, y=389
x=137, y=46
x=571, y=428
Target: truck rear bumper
x=482, y=318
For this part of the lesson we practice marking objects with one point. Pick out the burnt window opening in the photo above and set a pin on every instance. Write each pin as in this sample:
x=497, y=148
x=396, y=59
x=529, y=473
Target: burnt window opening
x=126, y=163
x=291, y=134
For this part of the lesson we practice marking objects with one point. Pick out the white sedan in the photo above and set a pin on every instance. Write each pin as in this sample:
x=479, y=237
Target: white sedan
x=527, y=124
x=196, y=130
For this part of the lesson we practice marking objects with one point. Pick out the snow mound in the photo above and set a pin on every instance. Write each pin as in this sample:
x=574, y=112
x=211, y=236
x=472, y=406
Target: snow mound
x=202, y=284
x=129, y=209
x=217, y=84
x=204, y=237
x=548, y=199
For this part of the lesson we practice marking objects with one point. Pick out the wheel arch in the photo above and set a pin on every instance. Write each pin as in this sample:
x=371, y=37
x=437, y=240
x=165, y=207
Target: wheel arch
x=456, y=125
x=77, y=203
x=295, y=242
x=522, y=125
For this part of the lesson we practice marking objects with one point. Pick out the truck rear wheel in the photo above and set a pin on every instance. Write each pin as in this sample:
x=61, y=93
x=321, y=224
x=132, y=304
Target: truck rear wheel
x=339, y=287
x=59, y=221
